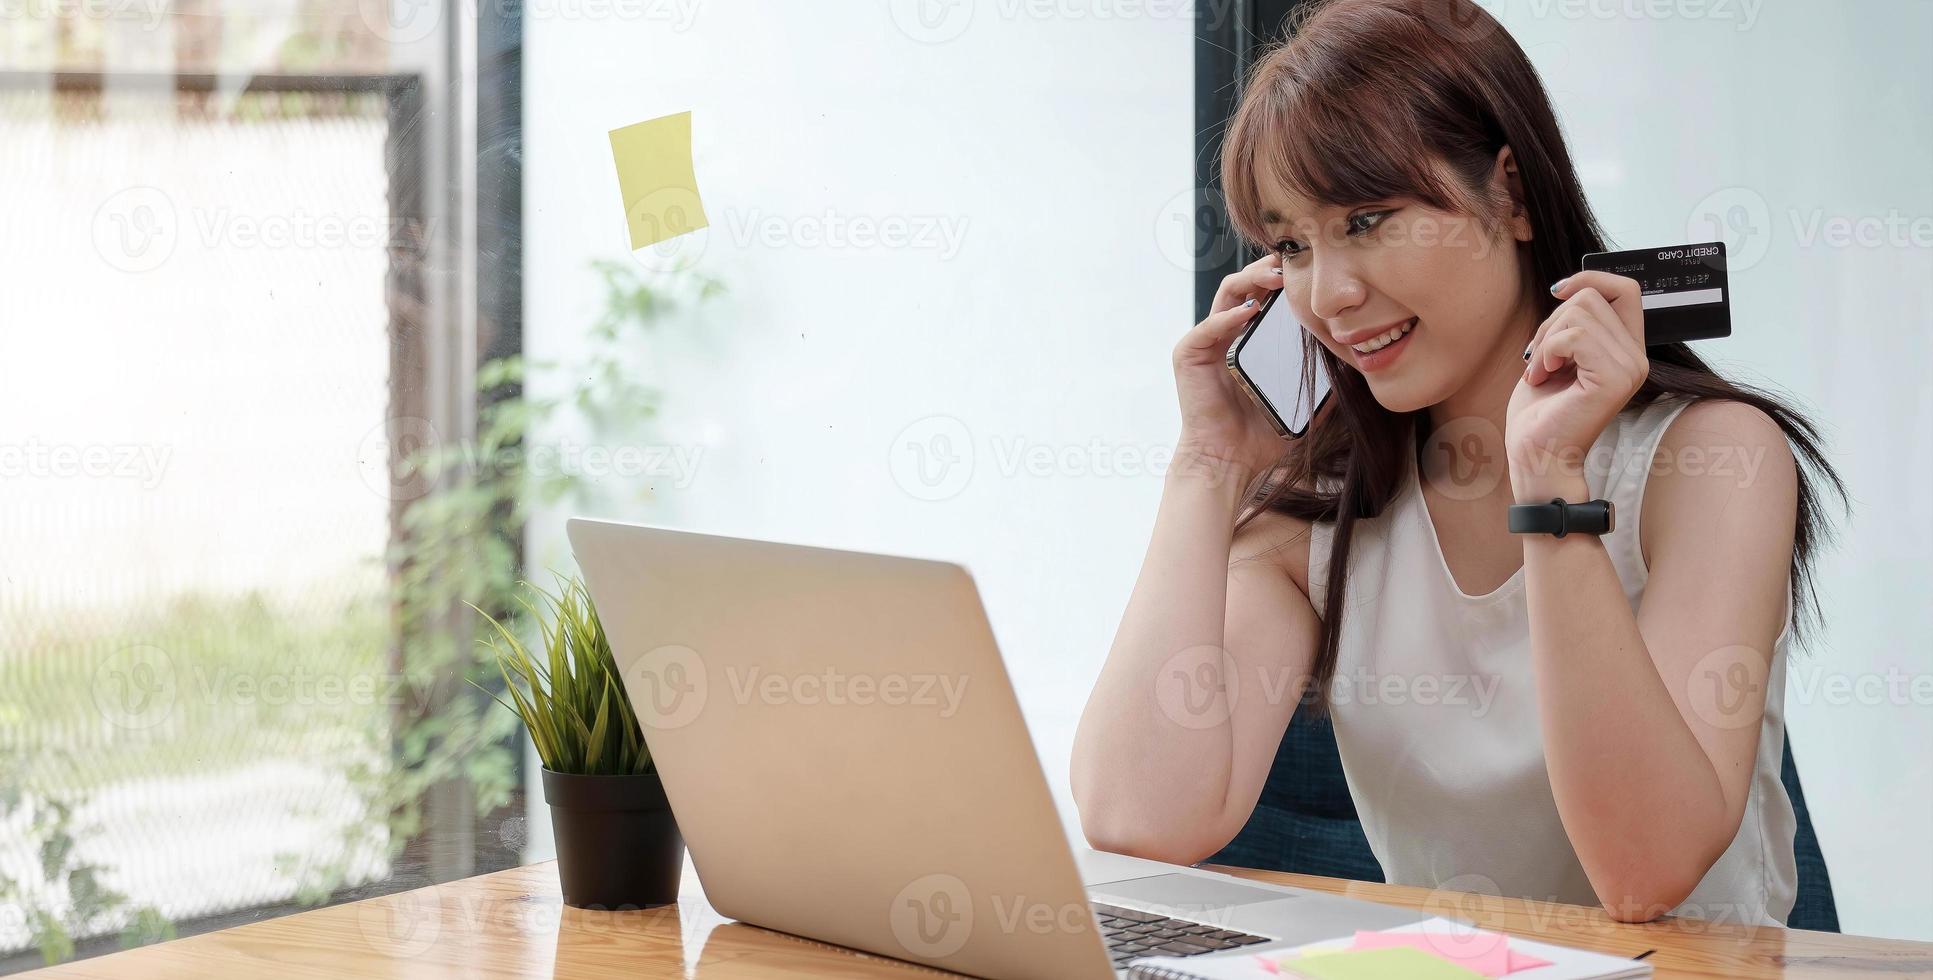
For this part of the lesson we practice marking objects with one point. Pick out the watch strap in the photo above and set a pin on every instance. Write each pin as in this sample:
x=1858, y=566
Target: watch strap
x=1558, y=518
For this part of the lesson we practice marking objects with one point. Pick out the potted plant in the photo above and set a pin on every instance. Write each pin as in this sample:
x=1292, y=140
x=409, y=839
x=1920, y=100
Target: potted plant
x=618, y=845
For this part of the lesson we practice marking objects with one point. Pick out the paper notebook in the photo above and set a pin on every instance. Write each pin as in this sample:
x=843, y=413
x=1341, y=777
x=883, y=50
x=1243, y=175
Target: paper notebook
x=1433, y=949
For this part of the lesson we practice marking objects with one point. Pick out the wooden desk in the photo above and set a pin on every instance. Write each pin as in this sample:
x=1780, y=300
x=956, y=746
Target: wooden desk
x=512, y=925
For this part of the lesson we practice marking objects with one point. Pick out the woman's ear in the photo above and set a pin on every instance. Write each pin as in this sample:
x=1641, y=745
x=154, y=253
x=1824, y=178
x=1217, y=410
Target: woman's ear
x=1504, y=180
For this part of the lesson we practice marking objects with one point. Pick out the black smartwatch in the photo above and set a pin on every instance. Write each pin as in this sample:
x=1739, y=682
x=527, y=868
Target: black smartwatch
x=1559, y=518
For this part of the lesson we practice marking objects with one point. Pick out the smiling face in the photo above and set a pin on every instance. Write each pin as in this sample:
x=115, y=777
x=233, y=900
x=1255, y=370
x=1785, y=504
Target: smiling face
x=1421, y=301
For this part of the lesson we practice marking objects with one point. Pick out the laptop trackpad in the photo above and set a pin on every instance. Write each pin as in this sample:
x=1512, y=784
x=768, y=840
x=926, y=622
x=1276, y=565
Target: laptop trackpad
x=1184, y=896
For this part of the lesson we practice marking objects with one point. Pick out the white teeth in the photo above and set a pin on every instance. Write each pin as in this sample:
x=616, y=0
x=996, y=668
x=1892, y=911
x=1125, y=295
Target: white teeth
x=1381, y=341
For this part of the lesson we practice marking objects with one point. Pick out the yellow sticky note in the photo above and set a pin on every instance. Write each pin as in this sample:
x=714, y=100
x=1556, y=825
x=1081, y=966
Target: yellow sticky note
x=654, y=173
x=1396, y=963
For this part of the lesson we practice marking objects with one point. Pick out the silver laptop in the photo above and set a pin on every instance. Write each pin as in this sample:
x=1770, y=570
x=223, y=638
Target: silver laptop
x=847, y=761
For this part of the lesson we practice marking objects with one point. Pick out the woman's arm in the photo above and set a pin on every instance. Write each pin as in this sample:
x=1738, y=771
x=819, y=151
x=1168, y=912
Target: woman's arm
x=1166, y=764
x=1651, y=720
x=1214, y=648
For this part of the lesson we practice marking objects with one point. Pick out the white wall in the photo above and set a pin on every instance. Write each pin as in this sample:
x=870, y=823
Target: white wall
x=1053, y=149
x=1053, y=145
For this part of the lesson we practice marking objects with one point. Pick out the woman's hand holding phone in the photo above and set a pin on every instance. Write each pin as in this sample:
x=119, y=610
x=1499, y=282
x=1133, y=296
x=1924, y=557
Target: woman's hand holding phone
x=1222, y=429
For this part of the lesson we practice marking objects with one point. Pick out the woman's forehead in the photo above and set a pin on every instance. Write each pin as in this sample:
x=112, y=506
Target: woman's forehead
x=1281, y=204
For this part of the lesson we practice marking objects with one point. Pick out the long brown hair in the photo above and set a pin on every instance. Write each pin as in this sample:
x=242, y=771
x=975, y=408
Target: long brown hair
x=1338, y=111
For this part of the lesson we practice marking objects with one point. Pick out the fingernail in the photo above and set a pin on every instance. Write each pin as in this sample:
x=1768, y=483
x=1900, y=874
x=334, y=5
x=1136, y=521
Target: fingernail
x=1559, y=284
x=1526, y=353
x=1248, y=302
x=1277, y=270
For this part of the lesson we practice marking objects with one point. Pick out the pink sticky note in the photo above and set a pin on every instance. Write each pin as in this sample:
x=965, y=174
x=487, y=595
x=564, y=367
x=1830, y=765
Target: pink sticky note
x=1524, y=961
x=1488, y=953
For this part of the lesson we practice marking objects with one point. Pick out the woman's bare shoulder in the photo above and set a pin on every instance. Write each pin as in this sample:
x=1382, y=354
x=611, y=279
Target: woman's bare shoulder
x=1277, y=539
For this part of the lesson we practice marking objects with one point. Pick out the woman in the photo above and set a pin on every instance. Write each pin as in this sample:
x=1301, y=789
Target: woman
x=1586, y=719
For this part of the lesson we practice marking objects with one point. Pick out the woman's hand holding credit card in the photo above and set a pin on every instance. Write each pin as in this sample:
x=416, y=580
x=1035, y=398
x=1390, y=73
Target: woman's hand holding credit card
x=1588, y=356
x=1583, y=365
x=1686, y=292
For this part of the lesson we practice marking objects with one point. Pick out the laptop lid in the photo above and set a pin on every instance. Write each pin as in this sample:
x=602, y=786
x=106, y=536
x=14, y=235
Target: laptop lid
x=845, y=755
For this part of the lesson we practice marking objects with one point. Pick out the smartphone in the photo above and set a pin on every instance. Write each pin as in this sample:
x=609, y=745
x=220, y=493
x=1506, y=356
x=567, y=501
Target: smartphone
x=1269, y=362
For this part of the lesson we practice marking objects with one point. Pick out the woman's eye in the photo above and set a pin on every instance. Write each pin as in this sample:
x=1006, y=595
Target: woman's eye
x=1357, y=224
x=1373, y=218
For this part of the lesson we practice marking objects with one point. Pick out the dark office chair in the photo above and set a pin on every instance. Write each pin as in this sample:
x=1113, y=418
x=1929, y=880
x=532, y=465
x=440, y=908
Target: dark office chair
x=1813, y=908
x=1305, y=822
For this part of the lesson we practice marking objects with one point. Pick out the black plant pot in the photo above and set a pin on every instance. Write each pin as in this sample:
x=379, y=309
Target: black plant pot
x=617, y=843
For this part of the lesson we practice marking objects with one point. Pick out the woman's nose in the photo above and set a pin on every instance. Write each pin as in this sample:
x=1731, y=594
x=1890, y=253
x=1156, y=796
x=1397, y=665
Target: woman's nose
x=1334, y=288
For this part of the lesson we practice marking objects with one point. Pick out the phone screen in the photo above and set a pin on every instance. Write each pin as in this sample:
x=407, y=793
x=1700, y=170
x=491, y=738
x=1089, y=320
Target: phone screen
x=1270, y=358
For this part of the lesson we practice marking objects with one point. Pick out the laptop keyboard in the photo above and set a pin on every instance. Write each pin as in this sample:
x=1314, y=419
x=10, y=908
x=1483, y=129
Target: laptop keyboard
x=1131, y=933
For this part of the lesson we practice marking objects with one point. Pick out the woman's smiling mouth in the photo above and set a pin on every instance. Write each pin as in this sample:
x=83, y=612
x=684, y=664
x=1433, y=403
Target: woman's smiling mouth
x=1378, y=352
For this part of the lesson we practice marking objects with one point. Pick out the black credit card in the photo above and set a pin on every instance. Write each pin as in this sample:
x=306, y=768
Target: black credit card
x=1686, y=292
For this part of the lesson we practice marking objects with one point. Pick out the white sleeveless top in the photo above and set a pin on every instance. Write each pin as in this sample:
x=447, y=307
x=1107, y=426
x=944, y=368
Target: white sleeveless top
x=1436, y=716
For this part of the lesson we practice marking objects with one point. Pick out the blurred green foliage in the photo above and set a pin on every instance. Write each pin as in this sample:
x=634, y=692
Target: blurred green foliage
x=416, y=728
